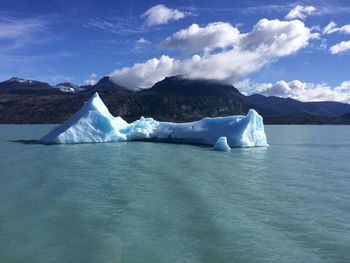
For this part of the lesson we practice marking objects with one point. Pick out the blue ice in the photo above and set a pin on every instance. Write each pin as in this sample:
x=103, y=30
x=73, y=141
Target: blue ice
x=94, y=123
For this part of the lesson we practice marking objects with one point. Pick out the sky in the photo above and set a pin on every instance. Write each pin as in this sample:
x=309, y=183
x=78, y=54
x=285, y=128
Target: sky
x=298, y=49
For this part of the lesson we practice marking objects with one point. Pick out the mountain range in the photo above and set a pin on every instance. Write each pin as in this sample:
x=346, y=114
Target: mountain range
x=172, y=99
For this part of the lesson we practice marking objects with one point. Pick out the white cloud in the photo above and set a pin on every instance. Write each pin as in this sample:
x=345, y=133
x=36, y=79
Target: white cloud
x=329, y=27
x=332, y=28
x=323, y=44
x=277, y=38
x=116, y=25
x=196, y=38
x=344, y=87
x=300, y=12
x=330, y=9
x=298, y=90
x=142, y=41
x=160, y=14
x=13, y=29
x=281, y=88
x=16, y=33
x=269, y=40
x=340, y=47
x=144, y=74
x=245, y=86
x=322, y=8
x=91, y=80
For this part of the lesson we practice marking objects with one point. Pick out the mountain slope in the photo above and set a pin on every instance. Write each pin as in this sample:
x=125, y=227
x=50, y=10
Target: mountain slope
x=178, y=99
x=176, y=103
x=178, y=84
x=273, y=106
x=20, y=84
x=105, y=84
x=172, y=99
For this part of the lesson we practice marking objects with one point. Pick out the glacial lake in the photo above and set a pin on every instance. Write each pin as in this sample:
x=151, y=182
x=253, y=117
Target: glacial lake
x=154, y=202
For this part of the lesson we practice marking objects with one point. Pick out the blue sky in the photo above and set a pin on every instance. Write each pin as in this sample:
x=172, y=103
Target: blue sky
x=82, y=41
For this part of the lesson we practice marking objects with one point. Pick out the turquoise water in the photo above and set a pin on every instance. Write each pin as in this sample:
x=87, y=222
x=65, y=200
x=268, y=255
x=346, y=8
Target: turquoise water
x=153, y=202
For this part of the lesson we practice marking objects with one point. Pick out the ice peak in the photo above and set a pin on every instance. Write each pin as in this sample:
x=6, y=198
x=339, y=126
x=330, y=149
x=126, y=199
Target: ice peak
x=96, y=95
x=95, y=103
x=94, y=98
x=252, y=112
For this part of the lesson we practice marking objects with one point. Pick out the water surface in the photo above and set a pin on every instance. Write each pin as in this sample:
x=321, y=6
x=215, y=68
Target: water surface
x=154, y=202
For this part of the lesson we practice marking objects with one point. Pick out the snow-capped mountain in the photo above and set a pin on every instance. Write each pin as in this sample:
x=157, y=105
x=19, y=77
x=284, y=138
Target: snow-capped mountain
x=67, y=87
x=71, y=88
x=20, y=80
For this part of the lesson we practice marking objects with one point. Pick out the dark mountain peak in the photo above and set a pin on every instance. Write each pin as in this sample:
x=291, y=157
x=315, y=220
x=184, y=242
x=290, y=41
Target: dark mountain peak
x=180, y=84
x=16, y=83
x=105, y=79
x=106, y=84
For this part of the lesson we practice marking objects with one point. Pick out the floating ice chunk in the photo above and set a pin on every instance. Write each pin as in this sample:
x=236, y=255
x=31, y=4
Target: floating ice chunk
x=94, y=123
x=221, y=144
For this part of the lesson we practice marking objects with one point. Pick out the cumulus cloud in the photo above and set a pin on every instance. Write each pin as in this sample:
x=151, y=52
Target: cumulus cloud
x=340, y=47
x=160, y=14
x=300, y=12
x=144, y=75
x=196, y=38
x=298, y=90
x=269, y=40
x=332, y=28
x=277, y=38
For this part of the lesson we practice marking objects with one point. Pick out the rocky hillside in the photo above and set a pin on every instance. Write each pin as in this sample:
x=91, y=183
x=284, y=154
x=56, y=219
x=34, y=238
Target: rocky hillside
x=172, y=99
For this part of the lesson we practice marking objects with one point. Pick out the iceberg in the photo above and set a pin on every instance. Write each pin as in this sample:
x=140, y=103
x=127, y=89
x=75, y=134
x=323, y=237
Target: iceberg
x=94, y=123
x=221, y=145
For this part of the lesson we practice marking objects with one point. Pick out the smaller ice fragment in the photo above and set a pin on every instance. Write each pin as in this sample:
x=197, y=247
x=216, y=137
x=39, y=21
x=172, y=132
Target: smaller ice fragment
x=221, y=144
